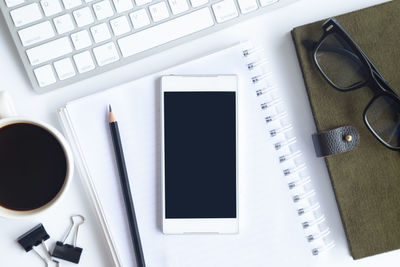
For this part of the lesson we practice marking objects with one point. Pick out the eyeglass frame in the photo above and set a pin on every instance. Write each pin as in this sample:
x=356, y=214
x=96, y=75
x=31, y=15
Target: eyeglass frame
x=375, y=80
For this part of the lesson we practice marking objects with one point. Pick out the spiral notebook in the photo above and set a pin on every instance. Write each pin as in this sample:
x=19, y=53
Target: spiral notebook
x=270, y=224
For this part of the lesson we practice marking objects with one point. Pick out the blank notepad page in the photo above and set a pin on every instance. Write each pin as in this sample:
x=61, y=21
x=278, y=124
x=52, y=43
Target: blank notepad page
x=269, y=234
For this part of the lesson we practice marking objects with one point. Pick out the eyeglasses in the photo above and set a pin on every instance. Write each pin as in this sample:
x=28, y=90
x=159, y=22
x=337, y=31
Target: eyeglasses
x=346, y=67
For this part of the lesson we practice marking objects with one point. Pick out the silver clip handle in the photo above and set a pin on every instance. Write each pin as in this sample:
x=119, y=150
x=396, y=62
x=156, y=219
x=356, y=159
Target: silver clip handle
x=73, y=223
x=48, y=258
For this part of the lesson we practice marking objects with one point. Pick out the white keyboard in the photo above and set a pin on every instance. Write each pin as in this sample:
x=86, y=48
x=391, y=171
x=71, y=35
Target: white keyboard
x=64, y=41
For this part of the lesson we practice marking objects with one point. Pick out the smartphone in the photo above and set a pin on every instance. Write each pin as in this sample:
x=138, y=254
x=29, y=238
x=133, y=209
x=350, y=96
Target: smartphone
x=199, y=154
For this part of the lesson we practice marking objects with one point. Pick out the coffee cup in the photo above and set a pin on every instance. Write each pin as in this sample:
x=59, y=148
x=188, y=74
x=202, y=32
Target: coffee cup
x=36, y=163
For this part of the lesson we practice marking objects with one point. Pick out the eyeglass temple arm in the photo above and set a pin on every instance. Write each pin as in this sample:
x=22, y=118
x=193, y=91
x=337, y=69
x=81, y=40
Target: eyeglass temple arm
x=375, y=71
x=312, y=45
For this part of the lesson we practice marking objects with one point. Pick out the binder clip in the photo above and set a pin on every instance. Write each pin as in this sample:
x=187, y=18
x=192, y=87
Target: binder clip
x=35, y=237
x=67, y=252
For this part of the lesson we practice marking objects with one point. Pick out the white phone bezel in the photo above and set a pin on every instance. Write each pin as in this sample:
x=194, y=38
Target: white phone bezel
x=219, y=83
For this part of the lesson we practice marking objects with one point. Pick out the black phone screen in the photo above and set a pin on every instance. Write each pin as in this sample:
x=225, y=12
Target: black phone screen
x=200, y=154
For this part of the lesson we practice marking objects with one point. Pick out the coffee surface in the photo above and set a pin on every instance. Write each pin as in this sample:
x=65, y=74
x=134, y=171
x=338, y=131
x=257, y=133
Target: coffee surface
x=32, y=167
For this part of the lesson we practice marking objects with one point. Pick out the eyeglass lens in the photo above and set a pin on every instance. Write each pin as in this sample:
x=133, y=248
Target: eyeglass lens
x=339, y=63
x=383, y=117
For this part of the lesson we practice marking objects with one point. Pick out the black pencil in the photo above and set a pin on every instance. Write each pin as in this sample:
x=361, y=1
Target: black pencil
x=126, y=190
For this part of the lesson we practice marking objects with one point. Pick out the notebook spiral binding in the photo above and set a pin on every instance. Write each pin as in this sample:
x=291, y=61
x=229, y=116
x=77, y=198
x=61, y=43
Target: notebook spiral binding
x=294, y=168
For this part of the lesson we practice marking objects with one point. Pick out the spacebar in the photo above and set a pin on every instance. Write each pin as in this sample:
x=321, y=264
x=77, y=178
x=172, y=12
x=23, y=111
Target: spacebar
x=166, y=32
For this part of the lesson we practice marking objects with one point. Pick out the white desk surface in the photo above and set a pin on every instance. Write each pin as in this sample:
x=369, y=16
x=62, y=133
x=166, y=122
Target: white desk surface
x=272, y=30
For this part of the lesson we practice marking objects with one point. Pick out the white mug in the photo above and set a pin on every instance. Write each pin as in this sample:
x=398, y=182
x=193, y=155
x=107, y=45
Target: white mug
x=9, y=116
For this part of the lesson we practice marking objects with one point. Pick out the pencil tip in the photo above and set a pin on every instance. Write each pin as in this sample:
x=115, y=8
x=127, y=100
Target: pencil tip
x=112, y=117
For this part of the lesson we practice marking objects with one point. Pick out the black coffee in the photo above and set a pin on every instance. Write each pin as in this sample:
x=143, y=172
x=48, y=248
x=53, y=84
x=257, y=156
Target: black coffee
x=32, y=167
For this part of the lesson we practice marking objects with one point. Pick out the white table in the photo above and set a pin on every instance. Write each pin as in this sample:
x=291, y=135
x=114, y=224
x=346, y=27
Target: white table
x=271, y=30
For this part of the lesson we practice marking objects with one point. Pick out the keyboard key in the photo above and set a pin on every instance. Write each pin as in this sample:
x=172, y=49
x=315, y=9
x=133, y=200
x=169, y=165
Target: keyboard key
x=159, y=11
x=84, y=62
x=196, y=3
x=225, y=10
x=162, y=33
x=36, y=33
x=247, y=6
x=51, y=7
x=81, y=39
x=268, y=2
x=178, y=6
x=26, y=14
x=64, y=69
x=83, y=17
x=49, y=51
x=100, y=33
x=139, y=19
x=45, y=75
x=122, y=5
x=142, y=2
x=106, y=54
x=120, y=26
x=103, y=10
x=68, y=4
x=64, y=24
x=11, y=3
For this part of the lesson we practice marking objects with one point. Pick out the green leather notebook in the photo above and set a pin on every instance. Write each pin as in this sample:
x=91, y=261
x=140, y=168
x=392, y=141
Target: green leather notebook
x=366, y=180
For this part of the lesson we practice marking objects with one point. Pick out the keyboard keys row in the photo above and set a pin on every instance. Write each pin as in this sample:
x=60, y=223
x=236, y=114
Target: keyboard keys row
x=64, y=24
x=129, y=45
x=83, y=17
x=102, y=10
x=126, y=46
x=108, y=53
x=64, y=68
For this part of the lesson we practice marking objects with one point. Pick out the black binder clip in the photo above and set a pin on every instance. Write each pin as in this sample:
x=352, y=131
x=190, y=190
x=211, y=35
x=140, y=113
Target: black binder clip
x=35, y=237
x=67, y=252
